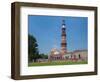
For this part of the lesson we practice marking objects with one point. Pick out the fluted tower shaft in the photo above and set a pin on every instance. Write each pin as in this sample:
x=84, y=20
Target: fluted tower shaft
x=63, y=38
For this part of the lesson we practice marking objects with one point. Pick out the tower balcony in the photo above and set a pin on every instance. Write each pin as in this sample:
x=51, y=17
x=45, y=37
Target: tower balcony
x=63, y=34
x=63, y=44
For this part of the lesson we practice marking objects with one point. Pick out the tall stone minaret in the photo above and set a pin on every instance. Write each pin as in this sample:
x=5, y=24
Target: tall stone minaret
x=63, y=38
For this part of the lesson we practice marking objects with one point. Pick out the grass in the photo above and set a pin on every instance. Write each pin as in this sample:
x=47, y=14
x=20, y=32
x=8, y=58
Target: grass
x=56, y=63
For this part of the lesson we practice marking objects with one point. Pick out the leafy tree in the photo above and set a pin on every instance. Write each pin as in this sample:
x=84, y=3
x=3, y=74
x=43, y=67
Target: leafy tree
x=44, y=56
x=33, y=52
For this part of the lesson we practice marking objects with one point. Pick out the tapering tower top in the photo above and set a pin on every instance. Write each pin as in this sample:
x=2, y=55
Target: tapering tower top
x=63, y=23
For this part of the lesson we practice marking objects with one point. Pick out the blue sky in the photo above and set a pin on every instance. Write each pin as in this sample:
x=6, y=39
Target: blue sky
x=47, y=31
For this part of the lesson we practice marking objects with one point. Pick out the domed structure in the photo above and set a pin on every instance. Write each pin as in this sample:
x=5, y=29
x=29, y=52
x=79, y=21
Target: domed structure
x=55, y=54
x=63, y=53
x=54, y=51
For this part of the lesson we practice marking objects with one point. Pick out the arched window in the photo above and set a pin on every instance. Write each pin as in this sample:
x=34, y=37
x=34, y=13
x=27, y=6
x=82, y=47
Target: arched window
x=79, y=56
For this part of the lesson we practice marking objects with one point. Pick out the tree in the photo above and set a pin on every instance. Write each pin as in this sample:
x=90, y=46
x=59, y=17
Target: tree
x=33, y=52
x=44, y=56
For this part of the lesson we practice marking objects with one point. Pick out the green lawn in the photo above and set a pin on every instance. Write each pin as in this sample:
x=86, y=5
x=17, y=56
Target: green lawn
x=56, y=63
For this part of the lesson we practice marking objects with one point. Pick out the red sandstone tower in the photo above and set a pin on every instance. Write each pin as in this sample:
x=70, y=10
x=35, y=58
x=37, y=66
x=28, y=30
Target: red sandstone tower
x=63, y=38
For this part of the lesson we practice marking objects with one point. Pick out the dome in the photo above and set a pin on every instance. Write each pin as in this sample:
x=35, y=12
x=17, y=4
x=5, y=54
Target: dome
x=54, y=51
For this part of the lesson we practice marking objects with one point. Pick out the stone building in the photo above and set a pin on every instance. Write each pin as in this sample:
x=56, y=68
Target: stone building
x=63, y=54
x=77, y=55
x=63, y=38
x=55, y=55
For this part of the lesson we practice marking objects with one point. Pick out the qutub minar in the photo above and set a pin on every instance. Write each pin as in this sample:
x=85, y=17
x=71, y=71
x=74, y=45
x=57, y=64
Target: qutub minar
x=63, y=39
x=63, y=54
